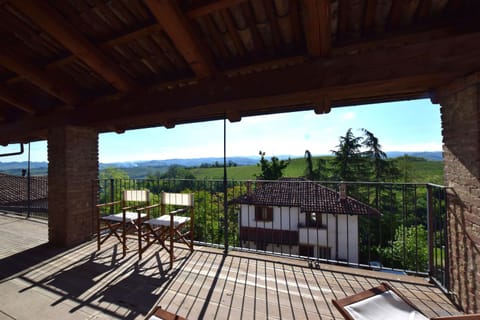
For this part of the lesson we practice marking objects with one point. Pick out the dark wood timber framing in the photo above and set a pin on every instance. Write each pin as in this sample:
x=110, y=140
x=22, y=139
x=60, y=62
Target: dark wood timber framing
x=114, y=66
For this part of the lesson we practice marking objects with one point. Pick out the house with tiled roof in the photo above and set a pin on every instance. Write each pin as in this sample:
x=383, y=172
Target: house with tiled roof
x=298, y=216
x=15, y=192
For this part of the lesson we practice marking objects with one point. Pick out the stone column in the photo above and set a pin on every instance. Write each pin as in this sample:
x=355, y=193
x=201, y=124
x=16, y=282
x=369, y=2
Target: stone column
x=72, y=168
x=460, y=108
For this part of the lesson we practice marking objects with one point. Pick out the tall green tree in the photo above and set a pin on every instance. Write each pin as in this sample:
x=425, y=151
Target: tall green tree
x=272, y=170
x=348, y=162
x=315, y=173
x=309, y=169
x=381, y=169
x=405, y=167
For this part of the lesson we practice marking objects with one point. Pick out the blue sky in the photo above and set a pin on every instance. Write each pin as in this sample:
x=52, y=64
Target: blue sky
x=400, y=126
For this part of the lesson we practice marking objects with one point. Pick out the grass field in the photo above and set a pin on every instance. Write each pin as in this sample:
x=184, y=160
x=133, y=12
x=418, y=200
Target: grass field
x=418, y=170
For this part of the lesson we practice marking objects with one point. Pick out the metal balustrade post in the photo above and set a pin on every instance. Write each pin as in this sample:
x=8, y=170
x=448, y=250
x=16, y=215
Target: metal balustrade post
x=112, y=194
x=225, y=200
x=430, y=228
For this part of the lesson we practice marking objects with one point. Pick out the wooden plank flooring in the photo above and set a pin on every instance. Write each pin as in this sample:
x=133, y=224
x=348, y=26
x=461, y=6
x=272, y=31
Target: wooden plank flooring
x=39, y=282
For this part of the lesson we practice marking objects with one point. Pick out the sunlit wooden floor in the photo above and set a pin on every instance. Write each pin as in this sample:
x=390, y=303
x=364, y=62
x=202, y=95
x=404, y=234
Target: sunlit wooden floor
x=39, y=282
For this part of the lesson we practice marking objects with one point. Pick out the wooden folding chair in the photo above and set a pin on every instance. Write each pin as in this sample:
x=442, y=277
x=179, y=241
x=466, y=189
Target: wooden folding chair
x=384, y=302
x=176, y=226
x=121, y=223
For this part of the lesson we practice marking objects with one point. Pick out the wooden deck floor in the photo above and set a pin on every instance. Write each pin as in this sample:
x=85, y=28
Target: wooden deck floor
x=39, y=282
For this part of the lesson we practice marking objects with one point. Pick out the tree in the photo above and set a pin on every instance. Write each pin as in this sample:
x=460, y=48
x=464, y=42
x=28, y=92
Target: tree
x=382, y=169
x=409, y=249
x=177, y=179
x=309, y=170
x=320, y=172
x=272, y=170
x=113, y=173
x=405, y=167
x=348, y=161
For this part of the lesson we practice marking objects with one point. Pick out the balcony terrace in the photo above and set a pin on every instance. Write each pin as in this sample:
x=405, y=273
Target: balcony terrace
x=39, y=282
x=261, y=276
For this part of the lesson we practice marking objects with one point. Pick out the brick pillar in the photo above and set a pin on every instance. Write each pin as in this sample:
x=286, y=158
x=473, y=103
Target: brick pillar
x=461, y=136
x=72, y=168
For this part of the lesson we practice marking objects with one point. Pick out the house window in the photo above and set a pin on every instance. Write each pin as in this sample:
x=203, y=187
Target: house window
x=313, y=220
x=263, y=213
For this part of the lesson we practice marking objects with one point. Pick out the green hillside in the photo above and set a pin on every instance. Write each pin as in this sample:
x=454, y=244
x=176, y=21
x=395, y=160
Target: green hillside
x=413, y=170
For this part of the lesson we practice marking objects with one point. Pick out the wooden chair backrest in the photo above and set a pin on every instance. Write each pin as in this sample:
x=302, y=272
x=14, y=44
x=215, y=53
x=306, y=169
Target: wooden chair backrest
x=177, y=199
x=136, y=196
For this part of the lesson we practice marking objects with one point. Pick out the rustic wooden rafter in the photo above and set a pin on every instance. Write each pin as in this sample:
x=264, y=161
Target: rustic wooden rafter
x=317, y=23
x=369, y=15
x=296, y=28
x=395, y=13
x=60, y=29
x=47, y=82
x=233, y=32
x=175, y=24
x=272, y=57
x=16, y=102
x=424, y=10
x=212, y=6
x=385, y=76
x=272, y=19
x=256, y=37
x=216, y=37
x=122, y=39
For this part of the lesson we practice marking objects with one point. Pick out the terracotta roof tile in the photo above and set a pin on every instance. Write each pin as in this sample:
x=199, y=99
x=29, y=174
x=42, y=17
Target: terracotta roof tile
x=13, y=189
x=307, y=195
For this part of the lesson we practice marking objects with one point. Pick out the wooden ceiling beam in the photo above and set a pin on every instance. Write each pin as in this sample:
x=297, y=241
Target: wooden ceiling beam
x=401, y=67
x=45, y=81
x=59, y=28
x=176, y=25
x=395, y=13
x=233, y=32
x=16, y=102
x=369, y=15
x=104, y=45
x=212, y=6
x=140, y=33
x=317, y=26
x=408, y=72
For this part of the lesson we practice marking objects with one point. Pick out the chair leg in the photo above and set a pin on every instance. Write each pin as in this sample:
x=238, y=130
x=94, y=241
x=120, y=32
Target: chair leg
x=124, y=238
x=139, y=231
x=172, y=233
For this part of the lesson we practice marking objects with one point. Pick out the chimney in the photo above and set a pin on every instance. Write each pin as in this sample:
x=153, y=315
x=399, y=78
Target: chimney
x=249, y=187
x=342, y=190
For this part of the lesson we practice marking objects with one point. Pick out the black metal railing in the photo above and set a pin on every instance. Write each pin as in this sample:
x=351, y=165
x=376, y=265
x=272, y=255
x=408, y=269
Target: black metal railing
x=398, y=228
x=24, y=195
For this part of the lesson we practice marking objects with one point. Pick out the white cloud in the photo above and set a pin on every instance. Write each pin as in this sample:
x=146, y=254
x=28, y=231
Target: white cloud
x=348, y=116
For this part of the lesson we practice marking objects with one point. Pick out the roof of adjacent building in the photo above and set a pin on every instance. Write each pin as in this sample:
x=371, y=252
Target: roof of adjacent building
x=13, y=189
x=309, y=196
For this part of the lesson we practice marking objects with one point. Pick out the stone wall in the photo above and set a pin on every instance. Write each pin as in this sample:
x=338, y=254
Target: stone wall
x=461, y=137
x=72, y=168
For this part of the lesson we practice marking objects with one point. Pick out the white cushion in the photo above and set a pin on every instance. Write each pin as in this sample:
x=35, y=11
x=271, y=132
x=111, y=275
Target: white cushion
x=387, y=305
x=130, y=216
x=165, y=221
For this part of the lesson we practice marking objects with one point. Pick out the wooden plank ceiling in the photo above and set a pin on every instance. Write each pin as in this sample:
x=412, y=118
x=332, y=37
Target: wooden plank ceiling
x=117, y=65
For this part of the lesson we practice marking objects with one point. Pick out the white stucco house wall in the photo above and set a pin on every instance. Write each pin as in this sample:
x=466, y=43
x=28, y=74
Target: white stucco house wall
x=301, y=217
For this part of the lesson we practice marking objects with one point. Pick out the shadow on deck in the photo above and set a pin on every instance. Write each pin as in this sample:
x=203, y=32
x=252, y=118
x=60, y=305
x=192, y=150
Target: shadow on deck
x=44, y=283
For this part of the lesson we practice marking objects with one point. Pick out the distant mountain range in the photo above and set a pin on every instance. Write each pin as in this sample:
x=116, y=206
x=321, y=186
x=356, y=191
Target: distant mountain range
x=42, y=167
